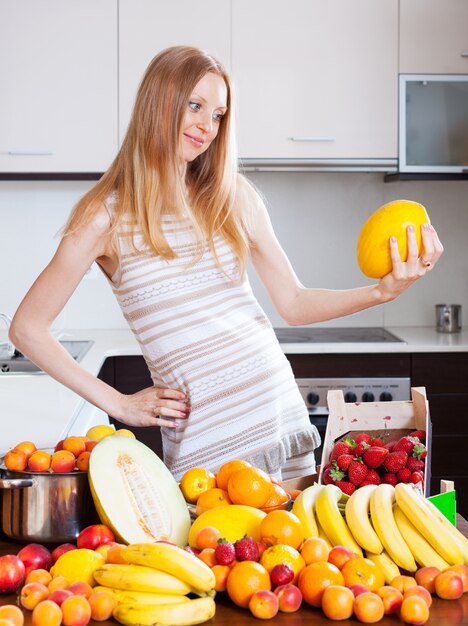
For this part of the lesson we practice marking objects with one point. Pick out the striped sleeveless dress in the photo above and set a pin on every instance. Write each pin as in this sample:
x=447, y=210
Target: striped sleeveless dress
x=207, y=335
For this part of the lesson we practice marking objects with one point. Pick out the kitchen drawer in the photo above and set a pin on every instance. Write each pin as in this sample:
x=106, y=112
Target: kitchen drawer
x=349, y=365
x=441, y=372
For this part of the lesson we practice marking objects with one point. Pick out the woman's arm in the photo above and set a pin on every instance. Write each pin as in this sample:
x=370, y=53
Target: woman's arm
x=30, y=332
x=299, y=305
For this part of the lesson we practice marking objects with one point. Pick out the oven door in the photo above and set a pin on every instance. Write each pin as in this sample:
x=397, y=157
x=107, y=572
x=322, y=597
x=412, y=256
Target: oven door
x=319, y=419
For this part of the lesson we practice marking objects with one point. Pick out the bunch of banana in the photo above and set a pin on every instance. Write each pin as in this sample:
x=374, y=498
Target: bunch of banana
x=357, y=513
x=331, y=519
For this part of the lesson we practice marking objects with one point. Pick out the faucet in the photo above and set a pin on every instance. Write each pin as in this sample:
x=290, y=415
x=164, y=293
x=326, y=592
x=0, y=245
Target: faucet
x=11, y=350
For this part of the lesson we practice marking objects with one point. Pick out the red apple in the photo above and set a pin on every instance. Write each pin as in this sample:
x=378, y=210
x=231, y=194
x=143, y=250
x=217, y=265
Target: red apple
x=290, y=598
x=93, y=536
x=61, y=549
x=12, y=573
x=35, y=556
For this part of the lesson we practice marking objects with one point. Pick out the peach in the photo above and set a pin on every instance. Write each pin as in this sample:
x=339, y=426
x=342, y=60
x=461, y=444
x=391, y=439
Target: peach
x=102, y=604
x=62, y=461
x=462, y=571
x=82, y=462
x=403, y=582
x=28, y=447
x=58, y=582
x=391, y=598
x=35, y=556
x=339, y=555
x=420, y=591
x=95, y=535
x=16, y=460
x=61, y=549
x=76, y=611
x=39, y=576
x=264, y=604
x=338, y=602
x=368, y=607
x=12, y=613
x=59, y=596
x=33, y=593
x=289, y=597
x=12, y=573
x=425, y=576
x=74, y=444
x=46, y=613
x=414, y=610
x=449, y=585
x=81, y=588
x=39, y=461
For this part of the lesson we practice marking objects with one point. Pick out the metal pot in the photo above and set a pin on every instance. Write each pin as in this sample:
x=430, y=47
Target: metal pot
x=45, y=507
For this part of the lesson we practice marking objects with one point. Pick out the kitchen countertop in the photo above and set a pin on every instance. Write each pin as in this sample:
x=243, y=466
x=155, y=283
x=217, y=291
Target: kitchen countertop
x=29, y=402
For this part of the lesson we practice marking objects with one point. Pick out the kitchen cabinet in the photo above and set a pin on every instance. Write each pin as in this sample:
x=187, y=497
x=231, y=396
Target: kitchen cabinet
x=58, y=75
x=147, y=27
x=433, y=37
x=316, y=80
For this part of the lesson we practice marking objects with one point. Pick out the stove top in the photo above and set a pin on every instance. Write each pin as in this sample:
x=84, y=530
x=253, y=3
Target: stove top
x=307, y=334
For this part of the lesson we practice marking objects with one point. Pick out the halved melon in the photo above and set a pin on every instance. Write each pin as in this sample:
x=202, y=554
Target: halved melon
x=135, y=494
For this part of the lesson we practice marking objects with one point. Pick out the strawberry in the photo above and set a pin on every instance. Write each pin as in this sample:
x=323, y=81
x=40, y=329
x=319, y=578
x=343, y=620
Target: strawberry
x=359, y=448
x=414, y=465
x=246, y=549
x=420, y=434
x=363, y=438
x=389, y=478
x=419, y=451
x=374, y=456
x=395, y=460
x=343, y=461
x=357, y=472
x=377, y=441
x=225, y=552
x=417, y=477
x=346, y=486
x=404, y=475
x=326, y=477
x=340, y=447
x=406, y=444
x=372, y=478
x=389, y=445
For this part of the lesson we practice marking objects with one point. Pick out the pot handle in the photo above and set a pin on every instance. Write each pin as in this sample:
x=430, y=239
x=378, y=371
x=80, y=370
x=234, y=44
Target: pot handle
x=16, y=483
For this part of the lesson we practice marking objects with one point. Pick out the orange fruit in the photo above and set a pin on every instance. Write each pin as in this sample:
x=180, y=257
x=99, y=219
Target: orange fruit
x=314, y=550
x=282, y=553
x=228, y=468
x=278, y=498
x=244, y=579
x=363, y=571
x=195, y=481
x=251, y=486
x=281, y=527
x=211, y=498
x=338, y=602
x=315, y=578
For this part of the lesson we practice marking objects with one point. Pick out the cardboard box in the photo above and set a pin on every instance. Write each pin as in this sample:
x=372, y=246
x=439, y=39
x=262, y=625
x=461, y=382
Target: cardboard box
x=390, y=419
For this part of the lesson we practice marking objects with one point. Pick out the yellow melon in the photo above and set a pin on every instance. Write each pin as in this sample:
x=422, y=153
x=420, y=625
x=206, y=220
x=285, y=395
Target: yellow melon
x=233, y=522
x=391, y=219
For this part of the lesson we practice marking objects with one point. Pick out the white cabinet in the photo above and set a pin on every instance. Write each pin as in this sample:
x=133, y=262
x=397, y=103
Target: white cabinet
x=146, y=27
x=58, y=77
x=315, y=79
x=433, y=37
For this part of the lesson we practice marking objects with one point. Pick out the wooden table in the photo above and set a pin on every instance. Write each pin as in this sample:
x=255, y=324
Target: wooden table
x=442, y=612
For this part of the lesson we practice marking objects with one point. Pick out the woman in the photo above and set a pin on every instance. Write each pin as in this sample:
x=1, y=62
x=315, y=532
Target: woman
x=172, y=225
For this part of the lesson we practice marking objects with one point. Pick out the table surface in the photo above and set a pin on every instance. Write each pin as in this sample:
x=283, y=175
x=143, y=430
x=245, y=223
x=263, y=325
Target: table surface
x=442, y=612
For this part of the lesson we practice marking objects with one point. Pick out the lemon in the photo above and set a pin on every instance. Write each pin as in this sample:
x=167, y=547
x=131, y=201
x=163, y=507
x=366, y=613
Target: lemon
x=96, y=433
x=124, y=432
x=78, y=565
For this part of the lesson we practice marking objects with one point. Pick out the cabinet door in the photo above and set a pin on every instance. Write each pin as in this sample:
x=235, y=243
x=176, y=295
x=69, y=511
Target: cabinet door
x=147, y=27
x=316, y=79
x=58, y=72
x=433, y=37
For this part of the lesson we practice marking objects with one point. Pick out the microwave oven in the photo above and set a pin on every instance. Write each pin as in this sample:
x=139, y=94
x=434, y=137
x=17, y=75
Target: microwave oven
x=433, y=123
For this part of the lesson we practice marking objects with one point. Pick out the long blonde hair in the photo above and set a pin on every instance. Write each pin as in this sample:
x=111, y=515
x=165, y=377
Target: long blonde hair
x=145, y=177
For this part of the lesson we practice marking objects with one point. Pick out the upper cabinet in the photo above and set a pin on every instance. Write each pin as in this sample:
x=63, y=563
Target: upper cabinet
x=433, y=37
x=58, y=76
x=316, y=80
x=146, y=27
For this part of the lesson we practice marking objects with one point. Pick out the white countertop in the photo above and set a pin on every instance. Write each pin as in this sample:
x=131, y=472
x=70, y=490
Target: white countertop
x=35, y=407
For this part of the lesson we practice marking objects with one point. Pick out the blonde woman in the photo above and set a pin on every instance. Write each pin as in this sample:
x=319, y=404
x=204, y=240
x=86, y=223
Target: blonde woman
x=172, y=225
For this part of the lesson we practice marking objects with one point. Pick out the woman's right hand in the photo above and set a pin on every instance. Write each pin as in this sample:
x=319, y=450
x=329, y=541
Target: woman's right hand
x=154, y=407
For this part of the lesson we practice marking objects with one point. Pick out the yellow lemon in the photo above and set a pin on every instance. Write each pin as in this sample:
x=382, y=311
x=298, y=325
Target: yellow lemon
x=78, y=565
x=124, y=432
x=282, y=553
x=96, y=433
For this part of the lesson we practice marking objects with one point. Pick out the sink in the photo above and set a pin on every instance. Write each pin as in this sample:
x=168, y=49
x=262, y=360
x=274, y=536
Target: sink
x=20, y=364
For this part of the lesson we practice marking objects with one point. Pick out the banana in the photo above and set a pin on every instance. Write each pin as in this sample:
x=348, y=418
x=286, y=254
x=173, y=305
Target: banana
x=173, y=560
x=139, y=578
x=460, y=539
x=304, y=507
x=357, y=512
x=193, y=612
x=388, y=567
x=142, y=597
x=423, y=552
x=331, y=520
x=381, y=504
x=429, y=525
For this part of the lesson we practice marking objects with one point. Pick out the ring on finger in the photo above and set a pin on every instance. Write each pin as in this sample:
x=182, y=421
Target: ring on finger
x=426, y=263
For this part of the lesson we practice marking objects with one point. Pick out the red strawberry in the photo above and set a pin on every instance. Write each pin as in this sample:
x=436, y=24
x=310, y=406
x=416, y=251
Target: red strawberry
x=225, y=552
x=420, y=434
x=343, y=461
x=340, y=447
x=374, y=456
x=389, y=445
x=357, y=472
x=326, y=477
x=395, y=461
x=404, y=475
x=363, y=438
x=359, y=448
x=389, y=478
x=417, y=477
x=372, y=478
x=414, y=465
x=246, y=549
x=406, y=444
x=419, y=451
x=377, y=441
x=346, y=486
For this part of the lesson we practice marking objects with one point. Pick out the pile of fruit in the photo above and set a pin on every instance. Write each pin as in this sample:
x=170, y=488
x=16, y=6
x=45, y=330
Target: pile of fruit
x=369, y=460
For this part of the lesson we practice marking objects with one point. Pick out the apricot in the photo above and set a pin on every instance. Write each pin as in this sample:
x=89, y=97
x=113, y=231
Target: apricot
x=420, y=591
x=81, y=588
x=76, y=611
x=90, y=445
x=425, y=576
x=338, y=602
x=391, y=597
x=414, y=610
x=449, y=585
x=114, y=554
x=102, y=604
x=33, y=593
x=82, y=462
x=12, y=613
x=28, y=447
x=462, y=571
x=38, y=576
x=58, y=582
x=264, y=604
x=74, y=444
x=16, y=460
x=368, y=607
x=62, y=461
x=59, y=596
x=46, y=613
x=39, y=461
x=403, y=582
x=339, y=555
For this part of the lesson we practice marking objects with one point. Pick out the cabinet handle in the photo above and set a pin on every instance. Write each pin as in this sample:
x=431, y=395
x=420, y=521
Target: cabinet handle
x=311, y=138
x=464, y=54
x=30, y=153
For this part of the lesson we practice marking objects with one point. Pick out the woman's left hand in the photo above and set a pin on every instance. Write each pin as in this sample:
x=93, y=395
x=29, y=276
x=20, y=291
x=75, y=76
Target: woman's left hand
x=405, y=273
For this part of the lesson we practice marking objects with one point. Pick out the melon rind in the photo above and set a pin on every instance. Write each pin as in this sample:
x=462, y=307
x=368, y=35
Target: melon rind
x=135, y=494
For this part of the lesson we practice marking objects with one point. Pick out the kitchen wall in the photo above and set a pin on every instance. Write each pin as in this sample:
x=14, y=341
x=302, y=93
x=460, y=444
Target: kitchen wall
x=317, y=217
